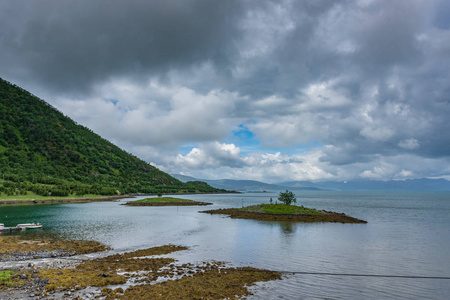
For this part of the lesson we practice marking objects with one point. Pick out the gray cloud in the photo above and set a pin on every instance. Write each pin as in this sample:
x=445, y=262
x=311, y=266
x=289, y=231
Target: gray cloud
x=77, y=44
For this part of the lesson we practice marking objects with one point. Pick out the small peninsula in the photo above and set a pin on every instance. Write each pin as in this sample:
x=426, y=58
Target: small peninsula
x=166, y=201
x=283, y=212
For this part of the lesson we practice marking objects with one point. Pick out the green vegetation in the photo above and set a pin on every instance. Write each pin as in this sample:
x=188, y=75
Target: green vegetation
x=44, y=153
x=287, y=197
x=165, y=201
x=162, y=199
x=6, y=276
x=32, y=196
x=282, y=209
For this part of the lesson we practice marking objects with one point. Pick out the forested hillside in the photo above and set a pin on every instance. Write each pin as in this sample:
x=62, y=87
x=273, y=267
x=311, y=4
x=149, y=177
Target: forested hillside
x=47, y=153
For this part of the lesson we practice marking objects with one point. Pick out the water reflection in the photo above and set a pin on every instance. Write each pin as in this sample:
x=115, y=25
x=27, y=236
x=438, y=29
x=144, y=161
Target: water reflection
x=287, y=227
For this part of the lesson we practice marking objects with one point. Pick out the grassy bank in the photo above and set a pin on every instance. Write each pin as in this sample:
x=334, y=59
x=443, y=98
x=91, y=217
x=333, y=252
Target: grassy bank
x=165, y=201
x=59, y=200
x=32, y=196
x=282, y=209
x=162, y=199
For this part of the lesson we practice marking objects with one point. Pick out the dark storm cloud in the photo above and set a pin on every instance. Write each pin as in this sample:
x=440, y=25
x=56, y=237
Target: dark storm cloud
x=388, y=37
x=76, y=44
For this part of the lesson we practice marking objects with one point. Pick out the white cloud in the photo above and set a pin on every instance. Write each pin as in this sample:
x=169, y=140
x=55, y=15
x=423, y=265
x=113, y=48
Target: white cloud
x=380, y=134
x=154, y=114
x=404, y=174
x=217, y=161
x=323, y=95
x=211, y=155
x=410, y=144
x=377, y=173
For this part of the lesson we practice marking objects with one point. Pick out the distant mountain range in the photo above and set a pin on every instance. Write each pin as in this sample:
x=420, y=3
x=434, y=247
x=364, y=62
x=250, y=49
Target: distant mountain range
x=235, y=185
x=423, y=184
x=241, y=185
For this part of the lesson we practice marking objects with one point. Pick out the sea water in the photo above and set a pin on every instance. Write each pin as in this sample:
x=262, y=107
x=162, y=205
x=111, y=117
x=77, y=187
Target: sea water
x=407, y=235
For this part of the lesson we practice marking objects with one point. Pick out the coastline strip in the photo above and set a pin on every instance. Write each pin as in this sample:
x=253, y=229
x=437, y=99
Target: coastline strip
x=56, y=200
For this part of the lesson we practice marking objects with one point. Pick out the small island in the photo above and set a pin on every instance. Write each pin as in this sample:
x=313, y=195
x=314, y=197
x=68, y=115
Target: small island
x=166, y=201
x=284, y=212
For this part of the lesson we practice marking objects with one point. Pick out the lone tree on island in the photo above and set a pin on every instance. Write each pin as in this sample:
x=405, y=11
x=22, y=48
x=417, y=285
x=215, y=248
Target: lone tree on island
x=287, y=197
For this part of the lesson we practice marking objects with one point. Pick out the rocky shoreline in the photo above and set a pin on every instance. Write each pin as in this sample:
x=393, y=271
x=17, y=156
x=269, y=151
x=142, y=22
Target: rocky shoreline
x=50, y=274
x=26, y=266
x=29, y=255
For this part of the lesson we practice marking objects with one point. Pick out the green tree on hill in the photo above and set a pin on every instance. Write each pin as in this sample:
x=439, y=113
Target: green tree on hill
x=287, y=197
x=44, y=152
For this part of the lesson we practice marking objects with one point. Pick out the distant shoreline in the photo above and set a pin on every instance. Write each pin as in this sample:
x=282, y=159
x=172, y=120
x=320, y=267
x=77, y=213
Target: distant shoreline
x=89, y=199
x=56, y=200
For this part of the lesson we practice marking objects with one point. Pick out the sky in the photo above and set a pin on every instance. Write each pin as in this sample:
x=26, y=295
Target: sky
x=323, y=90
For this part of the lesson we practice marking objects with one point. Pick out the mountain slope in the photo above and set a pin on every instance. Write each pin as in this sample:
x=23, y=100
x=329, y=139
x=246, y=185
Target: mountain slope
x=39, y=145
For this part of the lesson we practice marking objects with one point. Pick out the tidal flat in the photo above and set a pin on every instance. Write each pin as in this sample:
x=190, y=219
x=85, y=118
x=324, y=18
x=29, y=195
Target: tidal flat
x=140, y=274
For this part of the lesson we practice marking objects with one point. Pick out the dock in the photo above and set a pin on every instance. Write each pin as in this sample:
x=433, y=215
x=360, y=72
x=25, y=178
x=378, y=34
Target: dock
x=19, y=227
x=10, y=229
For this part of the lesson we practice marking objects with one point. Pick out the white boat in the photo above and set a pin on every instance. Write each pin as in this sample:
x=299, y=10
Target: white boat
x=2, y=226
x=29, y=226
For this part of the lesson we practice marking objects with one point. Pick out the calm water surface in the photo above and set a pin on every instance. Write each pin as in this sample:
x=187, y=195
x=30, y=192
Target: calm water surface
x=406, y=234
